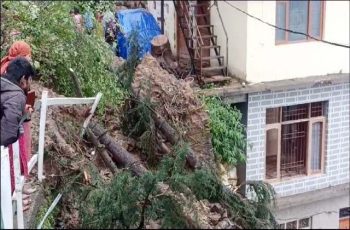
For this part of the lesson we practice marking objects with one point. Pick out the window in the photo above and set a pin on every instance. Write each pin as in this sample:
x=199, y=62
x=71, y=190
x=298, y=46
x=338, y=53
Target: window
x=295, y=140
x=300, y=16
x=296, y=224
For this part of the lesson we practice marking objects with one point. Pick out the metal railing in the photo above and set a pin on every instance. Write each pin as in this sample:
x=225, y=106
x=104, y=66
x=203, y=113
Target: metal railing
x=7, y=208
x=194, y=45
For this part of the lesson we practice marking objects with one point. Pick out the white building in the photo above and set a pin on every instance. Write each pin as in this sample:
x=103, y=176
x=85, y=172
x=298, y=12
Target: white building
x=296, y=101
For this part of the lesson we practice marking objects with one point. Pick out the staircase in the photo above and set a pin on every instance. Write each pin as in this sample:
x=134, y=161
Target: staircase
x=201, y=42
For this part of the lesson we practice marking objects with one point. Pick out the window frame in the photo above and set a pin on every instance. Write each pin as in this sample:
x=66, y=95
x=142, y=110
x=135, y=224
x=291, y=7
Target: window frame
x=311, y=120
x=277, y=126
x=286, y=26
x=284, y=224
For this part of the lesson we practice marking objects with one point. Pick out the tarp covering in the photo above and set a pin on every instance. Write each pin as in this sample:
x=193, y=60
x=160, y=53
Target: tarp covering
x=143, y=23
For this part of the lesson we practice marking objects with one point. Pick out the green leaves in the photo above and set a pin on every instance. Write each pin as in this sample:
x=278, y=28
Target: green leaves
x=50, y=30
x=227, y=131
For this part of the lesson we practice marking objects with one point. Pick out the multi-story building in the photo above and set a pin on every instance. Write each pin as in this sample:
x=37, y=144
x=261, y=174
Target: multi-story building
x=295, y=100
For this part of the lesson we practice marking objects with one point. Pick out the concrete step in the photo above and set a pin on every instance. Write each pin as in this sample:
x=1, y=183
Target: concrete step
x=213, y=68
x=207, y=47
x=210, y=58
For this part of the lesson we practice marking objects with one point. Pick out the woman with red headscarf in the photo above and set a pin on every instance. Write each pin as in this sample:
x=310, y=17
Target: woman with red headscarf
x=20, y=49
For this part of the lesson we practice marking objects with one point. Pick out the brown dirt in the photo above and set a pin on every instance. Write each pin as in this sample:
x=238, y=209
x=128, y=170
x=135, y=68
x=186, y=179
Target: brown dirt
x=177, y=103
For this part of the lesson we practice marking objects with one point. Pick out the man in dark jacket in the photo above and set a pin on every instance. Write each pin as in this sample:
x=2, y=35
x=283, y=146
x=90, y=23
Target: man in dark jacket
x=15, y=84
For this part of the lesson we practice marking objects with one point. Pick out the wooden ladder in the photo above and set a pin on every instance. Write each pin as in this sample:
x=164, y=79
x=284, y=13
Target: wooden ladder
x=200, y=38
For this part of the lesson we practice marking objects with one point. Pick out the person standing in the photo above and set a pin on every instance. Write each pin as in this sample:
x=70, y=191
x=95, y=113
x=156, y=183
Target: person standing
x=99, y=26
x=15, y=84
x=20, y=49
x=78, y=20
x=109, y=26
x=89, y=21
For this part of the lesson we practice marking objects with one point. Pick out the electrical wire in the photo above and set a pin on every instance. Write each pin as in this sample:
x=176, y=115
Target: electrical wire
x=288, y=30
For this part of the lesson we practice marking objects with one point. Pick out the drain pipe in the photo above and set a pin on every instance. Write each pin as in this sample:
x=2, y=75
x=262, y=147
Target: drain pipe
x=162, y=15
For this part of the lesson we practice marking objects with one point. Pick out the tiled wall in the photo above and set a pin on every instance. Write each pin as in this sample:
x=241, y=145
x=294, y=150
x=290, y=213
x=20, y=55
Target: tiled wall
x=337, y=136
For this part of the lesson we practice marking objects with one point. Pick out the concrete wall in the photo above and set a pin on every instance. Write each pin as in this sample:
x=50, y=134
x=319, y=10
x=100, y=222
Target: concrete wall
x=324, y=213
x=337, y=146
x=267, y=61
x=252, y=52
x=236, y=27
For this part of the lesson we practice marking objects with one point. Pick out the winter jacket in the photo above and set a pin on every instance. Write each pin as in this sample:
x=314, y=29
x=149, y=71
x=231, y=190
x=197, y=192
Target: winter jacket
x=13, y=102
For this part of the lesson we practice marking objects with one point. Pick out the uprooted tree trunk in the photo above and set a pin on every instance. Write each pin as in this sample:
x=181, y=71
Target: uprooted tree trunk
x=172, y=136
x=55, y=135
x=176, y=111
x=162, y=52
x=119, y=154
x=169, y=132
x=102, y=151
x=126, y=159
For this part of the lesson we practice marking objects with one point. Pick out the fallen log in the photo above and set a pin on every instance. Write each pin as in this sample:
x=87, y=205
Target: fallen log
x=56, y=136
x=169, y=132
x=123, y=157
x=160, y=44
x=103, y=152
x=172, y=136
x=163, y=148
x=119, y=154
x=162, y=52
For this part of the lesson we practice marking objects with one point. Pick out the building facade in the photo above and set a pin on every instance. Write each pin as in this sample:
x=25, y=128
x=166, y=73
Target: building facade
x=310, y=151
x=295, y=103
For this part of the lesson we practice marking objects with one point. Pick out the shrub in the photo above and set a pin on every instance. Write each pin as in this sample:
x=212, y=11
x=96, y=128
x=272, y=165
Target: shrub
x=227, y=131
x=57, y=47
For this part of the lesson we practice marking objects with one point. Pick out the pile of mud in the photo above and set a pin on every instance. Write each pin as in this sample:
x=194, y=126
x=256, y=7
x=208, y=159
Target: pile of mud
x=175, y=101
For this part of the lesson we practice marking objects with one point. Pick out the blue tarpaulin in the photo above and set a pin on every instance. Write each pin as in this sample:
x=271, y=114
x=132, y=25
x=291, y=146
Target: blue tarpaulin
x=143, y=23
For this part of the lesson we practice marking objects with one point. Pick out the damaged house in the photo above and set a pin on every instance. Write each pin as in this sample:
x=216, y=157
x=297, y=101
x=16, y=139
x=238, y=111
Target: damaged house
x=292, y=89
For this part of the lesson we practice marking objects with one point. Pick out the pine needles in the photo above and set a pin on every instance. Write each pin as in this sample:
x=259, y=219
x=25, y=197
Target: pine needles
x=130, y=202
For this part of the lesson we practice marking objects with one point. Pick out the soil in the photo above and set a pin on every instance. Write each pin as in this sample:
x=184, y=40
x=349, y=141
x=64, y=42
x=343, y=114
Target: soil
x=175, y=100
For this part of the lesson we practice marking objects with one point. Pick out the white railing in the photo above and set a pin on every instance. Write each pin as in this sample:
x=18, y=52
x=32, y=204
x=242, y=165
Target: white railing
x=6, y=197
x=7, y=209
x=45, y=102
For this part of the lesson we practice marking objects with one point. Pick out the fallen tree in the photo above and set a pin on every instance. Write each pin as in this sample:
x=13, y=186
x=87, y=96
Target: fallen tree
x=169, y=195
x=119, y=154
x=194, y=211
x=170, y=187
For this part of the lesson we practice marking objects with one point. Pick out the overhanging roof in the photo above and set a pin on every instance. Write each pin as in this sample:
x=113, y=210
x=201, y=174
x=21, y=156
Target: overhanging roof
x=240, y=91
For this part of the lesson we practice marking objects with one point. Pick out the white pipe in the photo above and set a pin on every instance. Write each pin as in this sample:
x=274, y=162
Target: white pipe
x=53, y=205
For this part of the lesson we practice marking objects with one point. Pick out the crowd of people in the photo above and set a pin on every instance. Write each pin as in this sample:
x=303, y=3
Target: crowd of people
x=102, y=23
